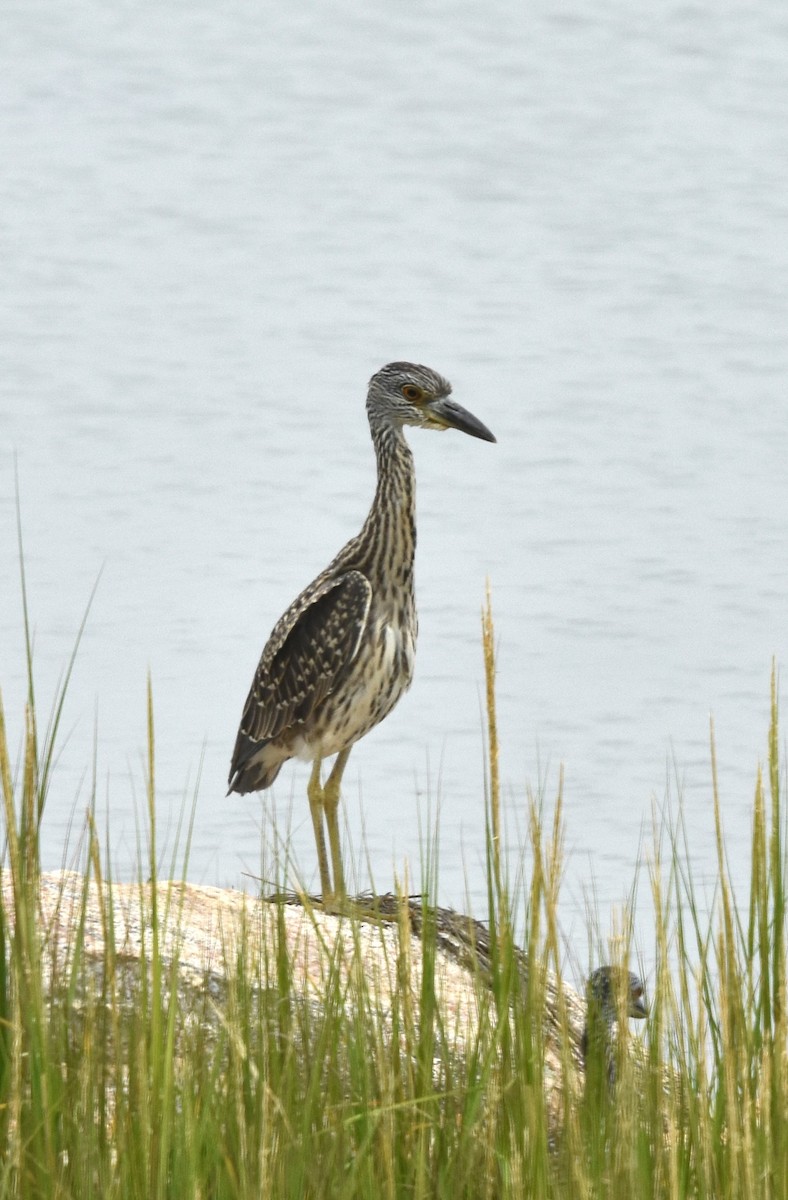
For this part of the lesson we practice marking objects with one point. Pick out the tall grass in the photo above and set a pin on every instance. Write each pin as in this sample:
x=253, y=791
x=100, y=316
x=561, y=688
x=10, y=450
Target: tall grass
x=121, y=1078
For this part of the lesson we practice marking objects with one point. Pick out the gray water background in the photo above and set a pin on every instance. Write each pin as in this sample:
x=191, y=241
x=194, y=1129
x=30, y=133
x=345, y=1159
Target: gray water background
x=217, y=222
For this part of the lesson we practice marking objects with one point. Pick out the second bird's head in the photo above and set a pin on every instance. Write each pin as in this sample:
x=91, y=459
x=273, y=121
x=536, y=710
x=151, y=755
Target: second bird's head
x=405, y=393
x=608, y=987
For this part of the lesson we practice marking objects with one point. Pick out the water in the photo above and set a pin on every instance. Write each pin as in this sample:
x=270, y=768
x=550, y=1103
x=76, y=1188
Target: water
x=218, y=224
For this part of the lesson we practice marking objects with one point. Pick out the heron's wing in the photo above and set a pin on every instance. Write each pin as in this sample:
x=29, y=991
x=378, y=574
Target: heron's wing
x=311, y=645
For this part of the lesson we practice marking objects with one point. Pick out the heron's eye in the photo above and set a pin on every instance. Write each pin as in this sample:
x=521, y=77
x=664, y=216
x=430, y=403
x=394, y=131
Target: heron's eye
x=411, y=392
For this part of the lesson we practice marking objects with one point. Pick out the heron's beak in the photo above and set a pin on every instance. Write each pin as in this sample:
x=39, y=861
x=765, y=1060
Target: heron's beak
x=446, y=414
x=638, y=1007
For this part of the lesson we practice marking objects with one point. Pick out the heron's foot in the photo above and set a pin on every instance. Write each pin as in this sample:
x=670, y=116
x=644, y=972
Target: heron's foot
x=356, y=908
x=366, y=908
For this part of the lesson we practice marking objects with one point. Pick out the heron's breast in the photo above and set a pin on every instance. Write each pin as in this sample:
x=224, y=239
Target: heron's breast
x=380, y=673
x=383, y=669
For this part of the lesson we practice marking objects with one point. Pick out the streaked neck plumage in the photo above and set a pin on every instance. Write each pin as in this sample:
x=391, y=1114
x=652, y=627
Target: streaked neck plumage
x=388, y=537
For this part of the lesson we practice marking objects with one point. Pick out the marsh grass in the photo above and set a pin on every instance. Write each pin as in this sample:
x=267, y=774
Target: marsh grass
x=119, y=1080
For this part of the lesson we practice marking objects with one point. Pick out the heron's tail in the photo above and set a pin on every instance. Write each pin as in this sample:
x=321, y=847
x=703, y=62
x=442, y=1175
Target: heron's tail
x=253, y=766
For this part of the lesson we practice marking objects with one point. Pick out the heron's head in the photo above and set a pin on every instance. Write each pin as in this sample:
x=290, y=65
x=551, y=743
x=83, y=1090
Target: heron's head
x=408, y=394
x=607, y=986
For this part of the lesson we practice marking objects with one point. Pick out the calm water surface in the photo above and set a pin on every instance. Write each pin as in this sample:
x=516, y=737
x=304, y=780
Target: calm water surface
x=218, y=223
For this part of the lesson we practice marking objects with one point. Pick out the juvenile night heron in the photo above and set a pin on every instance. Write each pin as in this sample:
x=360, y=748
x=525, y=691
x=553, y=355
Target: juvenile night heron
x=341, y=656
x=607, y=988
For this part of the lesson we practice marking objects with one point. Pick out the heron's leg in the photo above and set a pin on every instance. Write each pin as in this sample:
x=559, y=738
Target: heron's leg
x=330, y=806
x=316, y=807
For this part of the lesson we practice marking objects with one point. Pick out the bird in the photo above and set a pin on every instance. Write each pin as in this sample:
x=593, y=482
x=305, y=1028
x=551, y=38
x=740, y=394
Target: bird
x=606, y=988
x=342, y=655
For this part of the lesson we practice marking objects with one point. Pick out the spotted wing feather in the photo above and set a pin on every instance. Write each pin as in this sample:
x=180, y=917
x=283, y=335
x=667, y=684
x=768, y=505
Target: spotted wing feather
x=307, y=653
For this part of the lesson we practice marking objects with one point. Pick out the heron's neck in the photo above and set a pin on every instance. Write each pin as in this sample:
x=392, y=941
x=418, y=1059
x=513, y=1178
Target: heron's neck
x=597, y=1046
x=391, y=524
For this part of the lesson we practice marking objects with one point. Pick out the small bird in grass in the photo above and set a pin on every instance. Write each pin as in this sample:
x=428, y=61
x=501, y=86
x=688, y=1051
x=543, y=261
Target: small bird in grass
x=605, y=989
x=341, y=656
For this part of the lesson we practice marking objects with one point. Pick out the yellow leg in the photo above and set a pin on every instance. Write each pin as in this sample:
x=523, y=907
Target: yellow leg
x=316, y=808
x=330, y=806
